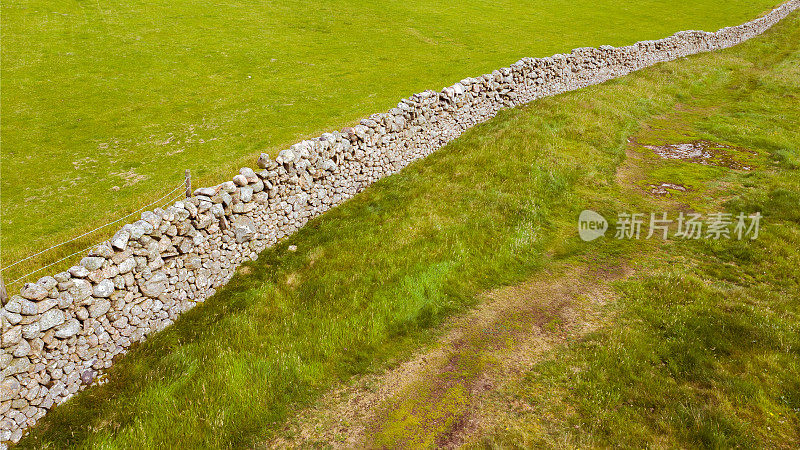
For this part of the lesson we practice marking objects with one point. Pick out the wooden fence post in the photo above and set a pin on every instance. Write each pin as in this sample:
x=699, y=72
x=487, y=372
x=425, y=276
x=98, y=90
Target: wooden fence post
x=3, y=293
x=188, y=183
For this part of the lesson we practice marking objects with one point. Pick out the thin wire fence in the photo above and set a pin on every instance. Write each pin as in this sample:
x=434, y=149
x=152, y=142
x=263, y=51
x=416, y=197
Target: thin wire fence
x=159, y=201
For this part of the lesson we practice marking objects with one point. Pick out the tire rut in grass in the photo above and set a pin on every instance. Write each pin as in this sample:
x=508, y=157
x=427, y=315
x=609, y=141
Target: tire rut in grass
x=440, y=396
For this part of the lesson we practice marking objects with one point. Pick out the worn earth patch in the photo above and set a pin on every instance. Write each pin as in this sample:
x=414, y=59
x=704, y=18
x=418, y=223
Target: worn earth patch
x=666, y=189
x=701, y=152
x=437, y=398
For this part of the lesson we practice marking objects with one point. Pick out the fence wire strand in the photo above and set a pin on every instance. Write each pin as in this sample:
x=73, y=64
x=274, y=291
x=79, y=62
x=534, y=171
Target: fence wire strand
x=52, y=263
x=181, y=186
x=174, y=199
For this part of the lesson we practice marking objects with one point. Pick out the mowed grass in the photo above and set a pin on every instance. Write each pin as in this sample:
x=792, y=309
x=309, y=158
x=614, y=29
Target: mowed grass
x=372, y=278
x=129, y=94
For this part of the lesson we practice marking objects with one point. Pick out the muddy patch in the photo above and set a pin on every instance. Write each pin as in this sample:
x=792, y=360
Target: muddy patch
x=701, y=152
x=441, y=396
x=666, y=189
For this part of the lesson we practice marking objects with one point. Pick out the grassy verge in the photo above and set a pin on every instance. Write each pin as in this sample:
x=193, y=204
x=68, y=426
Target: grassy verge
x=703, y=345
x=129, y=94
x=703, y=349
x=371, y=278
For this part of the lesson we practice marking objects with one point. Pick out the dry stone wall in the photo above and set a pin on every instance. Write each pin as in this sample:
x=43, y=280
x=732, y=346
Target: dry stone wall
x=61, y=332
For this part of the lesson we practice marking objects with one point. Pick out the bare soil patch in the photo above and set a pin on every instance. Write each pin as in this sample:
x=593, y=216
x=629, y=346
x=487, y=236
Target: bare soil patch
x=438, y=397
x=666, y=189
x=701, y=152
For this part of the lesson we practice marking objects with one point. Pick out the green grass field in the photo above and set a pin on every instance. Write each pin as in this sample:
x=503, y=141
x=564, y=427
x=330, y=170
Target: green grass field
x=700, y=350
x=130, y=93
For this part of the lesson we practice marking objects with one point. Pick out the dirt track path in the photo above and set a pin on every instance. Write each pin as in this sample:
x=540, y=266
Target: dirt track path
x=442, y=396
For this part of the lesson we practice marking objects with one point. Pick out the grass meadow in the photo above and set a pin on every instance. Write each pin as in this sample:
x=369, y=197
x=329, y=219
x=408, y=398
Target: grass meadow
x=700, y=350
x=105, y=104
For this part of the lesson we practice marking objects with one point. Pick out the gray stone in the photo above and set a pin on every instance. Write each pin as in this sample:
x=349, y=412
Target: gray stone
x=261, y=198
x=240, y=180
x=11, y=337
x=15, y=304
x=62, y=277
x=92, y=263
x=155, y=263
x=103, y=250
x=22, y=349
x=65, y=300
x=193, y=262
x=28, y=308
x=191, y=207
x=243, y=229
x=33, y=291
x=62, y=287
x=140, y=228
x=50, y=319
x=82, y=313
x=242, y=208
x=68, y=329
x=249, y=174
x=204, y=221
x=152, y=218
x=217, y=211
x=264, y=161
x=246, y=193
x=19, y=365
x=265, y=174
x=45, y=305
x=104, y=289
x=81, y=290
x=87, y=376
x=126, y=265
x=9, y=389
x=181, y=214
x=155, y=285
x=120, y=239
x=206, y=191
x=12, y=317
x=99, y=307
x=229, y=187
x=47, y=282
x=285, y=157
x=31, y=330
x=328, y=165
x=5, y=360
x=222, y=197
x=79, y=271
